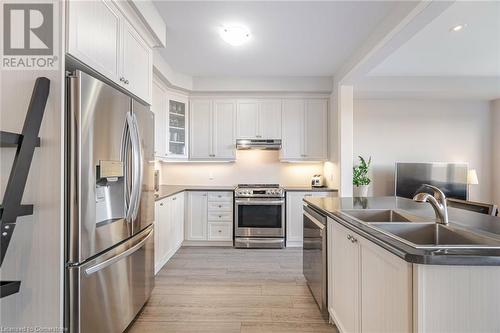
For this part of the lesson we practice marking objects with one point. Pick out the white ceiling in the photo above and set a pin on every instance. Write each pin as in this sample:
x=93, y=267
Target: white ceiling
x=288, y=38
x=435, y=51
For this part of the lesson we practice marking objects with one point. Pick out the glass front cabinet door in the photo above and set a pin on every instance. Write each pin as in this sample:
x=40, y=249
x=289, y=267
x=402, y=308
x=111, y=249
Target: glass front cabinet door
x=177, y=124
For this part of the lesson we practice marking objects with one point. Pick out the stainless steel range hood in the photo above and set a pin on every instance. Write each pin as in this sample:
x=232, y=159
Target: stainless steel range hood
x=245, y=144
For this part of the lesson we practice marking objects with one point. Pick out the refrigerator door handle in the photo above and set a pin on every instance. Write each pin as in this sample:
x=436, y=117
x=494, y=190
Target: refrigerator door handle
x=100, y=266
x=127, y=141
x=138, y=167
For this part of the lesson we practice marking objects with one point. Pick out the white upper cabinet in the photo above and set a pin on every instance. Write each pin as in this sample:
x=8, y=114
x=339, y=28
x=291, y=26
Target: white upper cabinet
x=315, y=121
x=171, y=119
x=212, y=130
x=159, y=108
x=258, y=119
x=293, y=130
x=136, y=63
x=177, y=120
x=94, y=35
x=270, y=119
x=247, y=119
x=100, y=37
x=201, y=129
x=223, y=138
x=304, y=130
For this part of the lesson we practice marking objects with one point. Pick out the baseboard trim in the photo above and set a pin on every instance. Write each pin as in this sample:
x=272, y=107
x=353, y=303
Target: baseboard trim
x=207, y=243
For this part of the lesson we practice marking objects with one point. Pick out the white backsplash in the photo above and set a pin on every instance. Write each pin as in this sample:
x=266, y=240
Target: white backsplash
x=251, y=166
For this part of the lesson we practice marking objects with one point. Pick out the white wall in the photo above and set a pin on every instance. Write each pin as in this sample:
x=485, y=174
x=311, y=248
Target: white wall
x=424, y=131
x=495, y=113
x=251, y=166
x=35, y=253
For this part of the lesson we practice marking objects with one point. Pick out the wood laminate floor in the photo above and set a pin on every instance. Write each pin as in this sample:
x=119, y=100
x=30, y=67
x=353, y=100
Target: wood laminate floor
x=226, y=290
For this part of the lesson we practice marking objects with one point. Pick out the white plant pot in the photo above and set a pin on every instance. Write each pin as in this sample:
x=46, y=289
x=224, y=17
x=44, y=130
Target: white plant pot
x=360, y=191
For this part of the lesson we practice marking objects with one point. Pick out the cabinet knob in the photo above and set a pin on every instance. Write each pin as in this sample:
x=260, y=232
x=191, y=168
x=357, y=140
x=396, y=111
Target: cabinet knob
x=174, y=198
x=161, y=204
x=349, y=237
x=122, y=79
x=353, y=240
x=126, y=82
x=220, y=216
x=220, y=231
x=220, y=206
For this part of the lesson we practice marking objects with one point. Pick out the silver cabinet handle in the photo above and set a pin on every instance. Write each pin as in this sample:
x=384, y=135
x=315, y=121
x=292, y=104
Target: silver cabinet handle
x=174, y=198
x=161, y=204
x=126, y=82
x=122, y=79
x=220, y=231
x=220, y=206
x=349, y=237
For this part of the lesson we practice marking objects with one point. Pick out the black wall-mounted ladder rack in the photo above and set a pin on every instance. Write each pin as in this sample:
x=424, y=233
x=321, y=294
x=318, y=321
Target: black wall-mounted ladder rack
x=26, y=142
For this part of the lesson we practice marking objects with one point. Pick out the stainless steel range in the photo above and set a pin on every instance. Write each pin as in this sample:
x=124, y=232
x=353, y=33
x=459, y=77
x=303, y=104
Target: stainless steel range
x=259, y=216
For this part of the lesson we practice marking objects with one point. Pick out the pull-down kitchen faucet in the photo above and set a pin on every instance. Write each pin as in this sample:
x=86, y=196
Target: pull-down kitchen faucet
x=437, y=201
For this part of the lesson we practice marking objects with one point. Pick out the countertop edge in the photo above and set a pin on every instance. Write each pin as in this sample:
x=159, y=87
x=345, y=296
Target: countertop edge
x=170, y=190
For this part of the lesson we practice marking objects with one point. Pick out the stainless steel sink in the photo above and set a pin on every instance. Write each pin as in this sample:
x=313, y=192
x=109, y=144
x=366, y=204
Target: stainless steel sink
x=382, y=215
x=433, y=235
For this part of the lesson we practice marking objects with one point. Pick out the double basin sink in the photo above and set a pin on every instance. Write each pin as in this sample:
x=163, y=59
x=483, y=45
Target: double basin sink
x=422, y=233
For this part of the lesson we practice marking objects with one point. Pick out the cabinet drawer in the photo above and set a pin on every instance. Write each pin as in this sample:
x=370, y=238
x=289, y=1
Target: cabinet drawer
x=220, y=216
x=220, y=206
x=220, y=231
x=220, y=196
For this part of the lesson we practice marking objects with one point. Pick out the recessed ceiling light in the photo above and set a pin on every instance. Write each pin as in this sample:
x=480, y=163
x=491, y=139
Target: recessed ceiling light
x=458, y=27
x=235, y=34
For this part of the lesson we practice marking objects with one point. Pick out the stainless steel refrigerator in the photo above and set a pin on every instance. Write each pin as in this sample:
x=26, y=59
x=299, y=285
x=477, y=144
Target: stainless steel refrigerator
x=109, y=206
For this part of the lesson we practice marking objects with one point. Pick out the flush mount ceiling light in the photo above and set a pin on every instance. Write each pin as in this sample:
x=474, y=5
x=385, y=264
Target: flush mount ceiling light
x=235, y=34
x=458, y=27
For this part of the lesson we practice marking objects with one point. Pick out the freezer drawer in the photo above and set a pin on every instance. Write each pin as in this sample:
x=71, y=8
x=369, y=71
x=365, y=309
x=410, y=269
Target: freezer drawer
x=106, y=293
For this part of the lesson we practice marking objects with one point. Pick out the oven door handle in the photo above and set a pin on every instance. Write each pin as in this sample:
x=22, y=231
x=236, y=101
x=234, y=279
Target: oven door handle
x=258, y=202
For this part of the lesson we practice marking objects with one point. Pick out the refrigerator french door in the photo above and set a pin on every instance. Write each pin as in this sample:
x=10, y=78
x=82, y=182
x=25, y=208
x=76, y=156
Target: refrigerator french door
x=110, y=206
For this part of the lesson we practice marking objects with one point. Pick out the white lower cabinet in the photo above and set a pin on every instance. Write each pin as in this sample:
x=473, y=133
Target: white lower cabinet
x=294, y=212
x=370, y=289
x=196, y=222
x=169, y=228
x=220, y=231
x=209, y=217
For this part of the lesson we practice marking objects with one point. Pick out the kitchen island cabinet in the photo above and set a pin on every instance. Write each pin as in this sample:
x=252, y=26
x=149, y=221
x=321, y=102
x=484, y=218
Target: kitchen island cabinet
x=379, y=284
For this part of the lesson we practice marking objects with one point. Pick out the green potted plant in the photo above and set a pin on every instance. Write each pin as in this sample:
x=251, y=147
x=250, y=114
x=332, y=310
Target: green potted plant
x=360, y=178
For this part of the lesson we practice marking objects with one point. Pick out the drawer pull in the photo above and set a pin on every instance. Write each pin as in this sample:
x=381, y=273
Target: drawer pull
x=220, y=231
x=220, y=206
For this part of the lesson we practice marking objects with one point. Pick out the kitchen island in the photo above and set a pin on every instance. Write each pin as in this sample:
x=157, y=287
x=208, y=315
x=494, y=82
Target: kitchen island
x=379, y=283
